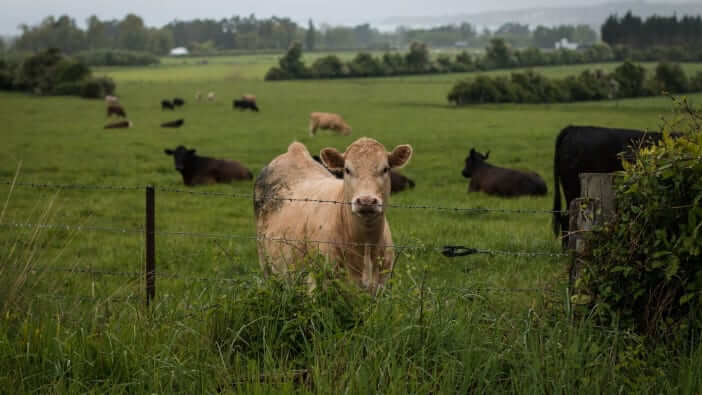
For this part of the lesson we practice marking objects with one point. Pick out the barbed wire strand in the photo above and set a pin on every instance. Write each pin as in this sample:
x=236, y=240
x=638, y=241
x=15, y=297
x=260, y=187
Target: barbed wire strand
x=222, y=236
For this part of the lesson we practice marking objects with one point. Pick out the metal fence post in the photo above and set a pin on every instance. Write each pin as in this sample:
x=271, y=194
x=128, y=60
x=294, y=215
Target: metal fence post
x=150, y=245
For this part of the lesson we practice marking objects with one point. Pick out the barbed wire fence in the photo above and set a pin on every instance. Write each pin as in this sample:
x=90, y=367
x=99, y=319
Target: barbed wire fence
x=449, y=250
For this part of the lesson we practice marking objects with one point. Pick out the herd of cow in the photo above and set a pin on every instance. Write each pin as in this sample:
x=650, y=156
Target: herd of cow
x=355, y=234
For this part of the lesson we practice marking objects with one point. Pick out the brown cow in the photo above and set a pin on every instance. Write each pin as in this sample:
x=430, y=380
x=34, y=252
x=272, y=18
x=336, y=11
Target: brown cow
x=116, y=109
x=249, y=98
x=326, y=120
x=500, y=181
x=355, y=236
x=198, y=170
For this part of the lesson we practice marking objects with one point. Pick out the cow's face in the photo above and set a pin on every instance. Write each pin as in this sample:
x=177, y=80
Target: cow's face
x=366, y=167
x=181, y=155
x=473, y=160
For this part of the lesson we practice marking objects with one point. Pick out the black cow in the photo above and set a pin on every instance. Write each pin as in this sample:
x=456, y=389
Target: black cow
x=500, y=181
x=173, y=124
x=590, y=149
x=198, y=170
x=116, y=109
x=244, y=104
x=119, y=125
x=398, y=182
x=165, y=104
x=177, y=102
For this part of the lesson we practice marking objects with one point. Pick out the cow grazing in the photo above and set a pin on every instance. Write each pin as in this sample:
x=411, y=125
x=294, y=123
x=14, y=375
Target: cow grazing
x=398, y=182
x=178, y=102
x=325, y=120
x=211, y=96
x=590, y=149
x=167, y=105
x=116, y=109
x=354, y=236
x=244, y=104
x=197, y=170
x=500, y=181
x=119, y=125
x=173, y=124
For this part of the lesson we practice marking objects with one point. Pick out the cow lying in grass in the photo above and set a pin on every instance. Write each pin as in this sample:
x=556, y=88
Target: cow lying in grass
x=354, y=235
x=197, y=170
x=500, y=181
x=119, y=125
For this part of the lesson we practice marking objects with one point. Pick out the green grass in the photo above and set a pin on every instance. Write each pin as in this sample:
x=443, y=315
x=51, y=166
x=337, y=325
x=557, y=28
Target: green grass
x=467, y=341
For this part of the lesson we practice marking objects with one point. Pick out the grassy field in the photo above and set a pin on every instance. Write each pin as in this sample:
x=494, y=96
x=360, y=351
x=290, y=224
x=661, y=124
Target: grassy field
x=473, y=324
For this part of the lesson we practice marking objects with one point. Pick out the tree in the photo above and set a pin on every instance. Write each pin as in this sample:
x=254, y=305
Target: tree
x=133, y=34
x=498, y=54
x=310, y=36
x=417, y=59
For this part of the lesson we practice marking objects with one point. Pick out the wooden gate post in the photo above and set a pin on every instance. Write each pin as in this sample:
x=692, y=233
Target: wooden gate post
x=593, y=209
x=150, y=245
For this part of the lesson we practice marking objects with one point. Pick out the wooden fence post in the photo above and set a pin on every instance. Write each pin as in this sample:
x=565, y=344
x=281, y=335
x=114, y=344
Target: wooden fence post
x=587, y=213
x=150, y=245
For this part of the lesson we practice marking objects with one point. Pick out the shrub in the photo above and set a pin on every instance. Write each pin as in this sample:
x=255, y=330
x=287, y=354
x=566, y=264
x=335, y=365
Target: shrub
x=91, y=89
x=646, y=271
x=365, y=65
x=630, y=79
x=328, y=67
x=671, y=77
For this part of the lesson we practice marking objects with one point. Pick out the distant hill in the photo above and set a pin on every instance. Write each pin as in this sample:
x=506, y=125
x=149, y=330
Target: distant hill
x=594, y=15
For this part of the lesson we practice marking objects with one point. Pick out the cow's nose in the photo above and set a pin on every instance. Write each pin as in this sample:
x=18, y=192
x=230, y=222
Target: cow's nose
x=367, y=201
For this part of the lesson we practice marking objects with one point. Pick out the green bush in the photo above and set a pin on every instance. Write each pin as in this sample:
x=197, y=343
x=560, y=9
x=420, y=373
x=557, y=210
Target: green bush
x=328, y=67
x=69, y=88
x=630, y=79
x=91, y=89
x=646, y=272
x=365, y=65
x=671, y=78
x=108, y=85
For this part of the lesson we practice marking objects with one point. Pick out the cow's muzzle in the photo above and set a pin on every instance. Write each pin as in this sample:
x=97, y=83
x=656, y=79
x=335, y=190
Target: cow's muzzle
x=367, y=206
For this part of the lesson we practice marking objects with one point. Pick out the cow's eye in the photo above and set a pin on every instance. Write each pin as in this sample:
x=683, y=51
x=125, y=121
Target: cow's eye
x=347, y=171
x=386, y=169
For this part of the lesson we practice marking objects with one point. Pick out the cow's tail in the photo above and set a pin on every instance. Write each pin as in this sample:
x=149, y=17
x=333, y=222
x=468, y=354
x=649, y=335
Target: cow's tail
x=557, y=216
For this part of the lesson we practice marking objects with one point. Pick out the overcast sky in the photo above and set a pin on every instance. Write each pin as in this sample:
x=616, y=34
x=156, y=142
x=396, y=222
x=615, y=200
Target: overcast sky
x=158, y=13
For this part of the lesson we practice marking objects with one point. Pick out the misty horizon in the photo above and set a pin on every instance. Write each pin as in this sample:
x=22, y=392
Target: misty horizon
x=317, y=10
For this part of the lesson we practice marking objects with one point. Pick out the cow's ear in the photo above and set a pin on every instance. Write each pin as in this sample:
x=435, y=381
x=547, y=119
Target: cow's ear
x=400, y=156
x=191, y=151
x=486, y=155
x=332, y=159
x=168, y=151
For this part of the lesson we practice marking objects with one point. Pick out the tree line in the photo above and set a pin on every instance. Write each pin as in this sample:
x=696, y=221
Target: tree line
x=634, y=32
x=206, y=36
x=498, y=55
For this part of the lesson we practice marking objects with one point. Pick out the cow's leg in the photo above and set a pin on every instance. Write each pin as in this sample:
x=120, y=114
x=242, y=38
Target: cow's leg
x=312, y=128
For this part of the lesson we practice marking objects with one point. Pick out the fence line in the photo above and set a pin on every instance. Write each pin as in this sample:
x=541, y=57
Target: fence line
x=450, y=251
x=476, y=210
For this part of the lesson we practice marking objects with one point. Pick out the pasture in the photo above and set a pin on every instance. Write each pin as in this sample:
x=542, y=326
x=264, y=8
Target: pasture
x=492, y=326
